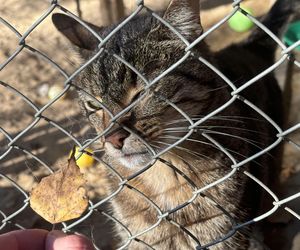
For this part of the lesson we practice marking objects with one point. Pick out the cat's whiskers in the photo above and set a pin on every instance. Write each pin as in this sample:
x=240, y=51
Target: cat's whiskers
x=198, y=118
x=188, y=139
x=235, y=128
x=212, y=145
x=189, y=151
x=221, y=118
x=210, y=127
x=250, y=141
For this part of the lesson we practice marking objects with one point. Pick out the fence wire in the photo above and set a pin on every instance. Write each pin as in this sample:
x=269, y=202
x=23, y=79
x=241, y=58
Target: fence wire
x=124, y=182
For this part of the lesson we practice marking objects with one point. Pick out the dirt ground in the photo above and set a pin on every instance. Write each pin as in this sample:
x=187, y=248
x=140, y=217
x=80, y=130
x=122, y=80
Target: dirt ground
x=32, y=76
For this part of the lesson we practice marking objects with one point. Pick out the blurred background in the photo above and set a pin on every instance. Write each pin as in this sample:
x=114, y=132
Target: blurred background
x=34, y=77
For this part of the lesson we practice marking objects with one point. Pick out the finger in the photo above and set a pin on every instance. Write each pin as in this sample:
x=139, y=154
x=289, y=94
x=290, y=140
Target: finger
x=29, y=239
x=56, y=240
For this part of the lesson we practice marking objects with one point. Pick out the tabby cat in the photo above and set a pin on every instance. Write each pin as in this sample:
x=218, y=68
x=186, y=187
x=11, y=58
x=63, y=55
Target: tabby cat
x=157, y=120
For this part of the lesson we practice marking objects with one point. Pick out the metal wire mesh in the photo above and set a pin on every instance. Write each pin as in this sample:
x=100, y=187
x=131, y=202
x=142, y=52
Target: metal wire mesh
x=94, y=207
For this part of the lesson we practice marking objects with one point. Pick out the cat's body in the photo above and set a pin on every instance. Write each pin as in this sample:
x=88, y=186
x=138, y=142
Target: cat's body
x=197, y=90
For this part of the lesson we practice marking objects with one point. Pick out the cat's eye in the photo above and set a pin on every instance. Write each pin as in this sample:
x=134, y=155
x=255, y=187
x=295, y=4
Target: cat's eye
x=92, y=105
x=137, y=95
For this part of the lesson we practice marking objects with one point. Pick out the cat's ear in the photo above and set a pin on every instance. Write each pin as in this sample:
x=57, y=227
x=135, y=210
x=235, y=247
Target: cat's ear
x=77, y=33
x=184, y=16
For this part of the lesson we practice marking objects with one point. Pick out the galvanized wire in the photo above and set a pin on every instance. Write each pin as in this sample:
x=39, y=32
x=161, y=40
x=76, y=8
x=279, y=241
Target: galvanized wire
x=15, y=141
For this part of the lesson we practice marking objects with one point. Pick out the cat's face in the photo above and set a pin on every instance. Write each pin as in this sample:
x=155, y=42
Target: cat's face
x=150, y=48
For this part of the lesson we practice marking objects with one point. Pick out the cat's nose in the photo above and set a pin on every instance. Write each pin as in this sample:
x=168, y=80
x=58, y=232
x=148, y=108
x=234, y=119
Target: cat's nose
x=117, y=138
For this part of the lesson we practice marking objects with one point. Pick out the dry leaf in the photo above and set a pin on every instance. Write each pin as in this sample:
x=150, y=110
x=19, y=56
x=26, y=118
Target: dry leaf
x=60, y=196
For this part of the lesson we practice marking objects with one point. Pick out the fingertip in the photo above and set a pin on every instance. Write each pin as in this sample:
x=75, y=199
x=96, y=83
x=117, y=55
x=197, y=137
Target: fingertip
x=57, y=240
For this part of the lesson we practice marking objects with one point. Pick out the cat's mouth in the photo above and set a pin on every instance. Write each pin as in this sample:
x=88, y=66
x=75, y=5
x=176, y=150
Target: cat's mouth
x=133, y=156
x=136, y=159
x=129, y=157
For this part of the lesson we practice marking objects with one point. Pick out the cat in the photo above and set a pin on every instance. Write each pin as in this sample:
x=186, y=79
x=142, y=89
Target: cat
x=151, y=48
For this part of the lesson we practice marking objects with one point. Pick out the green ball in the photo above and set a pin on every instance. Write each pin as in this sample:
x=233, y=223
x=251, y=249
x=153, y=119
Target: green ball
x=239, y=22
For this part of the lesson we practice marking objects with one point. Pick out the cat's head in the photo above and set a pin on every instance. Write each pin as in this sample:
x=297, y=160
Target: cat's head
x=151, y=48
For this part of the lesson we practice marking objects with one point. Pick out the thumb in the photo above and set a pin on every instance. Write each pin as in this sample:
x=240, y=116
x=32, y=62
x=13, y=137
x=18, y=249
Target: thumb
x=57, y=240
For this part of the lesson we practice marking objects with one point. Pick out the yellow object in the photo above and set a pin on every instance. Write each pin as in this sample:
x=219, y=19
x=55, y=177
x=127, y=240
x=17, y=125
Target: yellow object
x=54, y=91
x=84, y=160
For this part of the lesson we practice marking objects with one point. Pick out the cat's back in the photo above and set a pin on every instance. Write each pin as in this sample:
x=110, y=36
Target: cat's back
x=241, y=63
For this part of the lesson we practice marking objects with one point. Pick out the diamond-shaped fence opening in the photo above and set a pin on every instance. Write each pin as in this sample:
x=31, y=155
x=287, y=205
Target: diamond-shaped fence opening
x=38, y=130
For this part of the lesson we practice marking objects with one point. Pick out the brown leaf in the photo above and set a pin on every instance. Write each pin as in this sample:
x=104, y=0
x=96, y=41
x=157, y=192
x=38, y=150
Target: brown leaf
x=60, y=196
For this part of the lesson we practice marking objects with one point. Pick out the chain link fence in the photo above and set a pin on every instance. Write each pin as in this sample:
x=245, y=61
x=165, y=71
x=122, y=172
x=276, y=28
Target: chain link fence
x=11, y=143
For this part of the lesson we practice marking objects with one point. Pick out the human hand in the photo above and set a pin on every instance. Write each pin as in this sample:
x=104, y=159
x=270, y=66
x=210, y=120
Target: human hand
x=38, y=239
